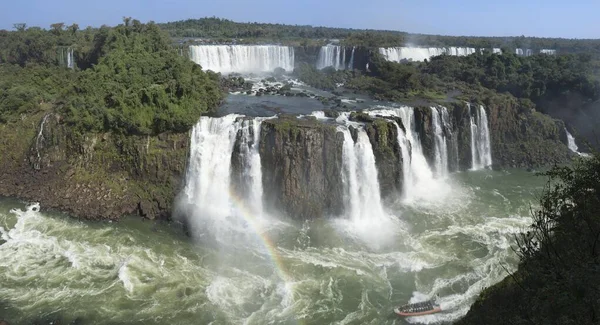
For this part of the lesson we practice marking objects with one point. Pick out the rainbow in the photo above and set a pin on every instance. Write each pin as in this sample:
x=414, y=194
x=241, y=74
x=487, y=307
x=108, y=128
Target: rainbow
x=245, y=212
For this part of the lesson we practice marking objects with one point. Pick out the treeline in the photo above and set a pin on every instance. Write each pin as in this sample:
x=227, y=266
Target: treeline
x=223, y=29
x=559, y=271
x=128, y=79
x=540, y=79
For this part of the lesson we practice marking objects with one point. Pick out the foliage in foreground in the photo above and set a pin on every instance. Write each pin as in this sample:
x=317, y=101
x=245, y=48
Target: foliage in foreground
x=558, y=281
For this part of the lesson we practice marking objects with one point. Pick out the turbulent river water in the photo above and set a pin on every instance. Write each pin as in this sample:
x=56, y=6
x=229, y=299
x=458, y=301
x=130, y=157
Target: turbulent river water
x=453, y=240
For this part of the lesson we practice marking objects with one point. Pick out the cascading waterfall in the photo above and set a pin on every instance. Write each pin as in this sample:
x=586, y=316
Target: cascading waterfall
x=572, y=145
x=481, y=153
x=441, y=148
x=252, y=174
x=209, y=180
x=243, y=58
x=452, y=147
x=418, y=176
x=363, y=199
x=397, y=54
x=332, y=56
x=571, y=142
x=351, y=64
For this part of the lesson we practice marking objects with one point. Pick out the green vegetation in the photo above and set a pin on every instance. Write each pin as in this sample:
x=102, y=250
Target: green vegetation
x=128, y=79
x=559, y=273
x=223, y=30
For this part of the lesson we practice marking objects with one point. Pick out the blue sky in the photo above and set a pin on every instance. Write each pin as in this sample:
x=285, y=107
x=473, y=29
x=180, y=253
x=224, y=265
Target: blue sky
x=549, y=18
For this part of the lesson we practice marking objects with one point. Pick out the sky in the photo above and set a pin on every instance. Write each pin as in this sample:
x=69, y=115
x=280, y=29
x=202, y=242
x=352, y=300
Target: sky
x=541, y=18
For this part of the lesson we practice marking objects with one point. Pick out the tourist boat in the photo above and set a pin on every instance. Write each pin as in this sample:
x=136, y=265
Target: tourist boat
x=418, y=309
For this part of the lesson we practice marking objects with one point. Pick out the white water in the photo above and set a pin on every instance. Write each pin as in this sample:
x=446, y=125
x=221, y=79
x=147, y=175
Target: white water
x=214, y=207
x=332, y=56
x=70, y=59
x=243, y=58
x=481, y=152
x=573, y=146
x=363, y=199
x=524, y=52
x=419, y=181
x=548, y=51
x=397, y=54
x=441, y=148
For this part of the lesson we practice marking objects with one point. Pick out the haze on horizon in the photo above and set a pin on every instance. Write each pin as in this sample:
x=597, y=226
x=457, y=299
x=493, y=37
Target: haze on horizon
x=549, y=18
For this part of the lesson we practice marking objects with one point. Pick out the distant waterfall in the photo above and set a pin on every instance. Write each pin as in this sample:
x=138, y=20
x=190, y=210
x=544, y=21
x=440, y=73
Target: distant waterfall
x=332, y=56
x=351, y=64
x=243, y=58
x=441, y=148
x=397, y=54
x=362, y=199
x=66, y=57
x=523, y=52
x=548, y=51
x=481, y=153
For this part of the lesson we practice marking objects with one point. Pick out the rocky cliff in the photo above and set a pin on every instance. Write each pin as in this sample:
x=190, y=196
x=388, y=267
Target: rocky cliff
x=93, y=176
x=302, y=163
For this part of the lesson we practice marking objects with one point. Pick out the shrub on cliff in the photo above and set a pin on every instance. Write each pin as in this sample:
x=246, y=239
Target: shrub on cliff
x=559, y=274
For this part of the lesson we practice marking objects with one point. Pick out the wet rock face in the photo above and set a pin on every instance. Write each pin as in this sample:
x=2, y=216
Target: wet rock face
x=383, y=136
x=302, y=164
x=93, y=176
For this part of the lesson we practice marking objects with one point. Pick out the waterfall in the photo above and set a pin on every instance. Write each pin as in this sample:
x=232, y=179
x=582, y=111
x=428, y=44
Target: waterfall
x=216, y=208
x=397, y=54
x=523, y=52
x=332, y=56
x=249, y=141
x=548, y=51
x=39, y=141
x=351, y=64
x=441, y=148
x=362, y=198
x=66, y=57
x=418, y=179
x=572, y=145
x=481, y=154
x=243, y=58
x=571, y=142
x=70, y=59
x=452, y=148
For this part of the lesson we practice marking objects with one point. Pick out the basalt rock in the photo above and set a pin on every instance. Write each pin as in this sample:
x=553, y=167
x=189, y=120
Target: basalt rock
x=383, y=136
x=302, y=163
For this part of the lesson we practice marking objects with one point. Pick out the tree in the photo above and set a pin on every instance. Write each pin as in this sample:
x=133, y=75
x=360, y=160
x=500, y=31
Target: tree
x=57, y=28
x=73, y=28
x=20, y=26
